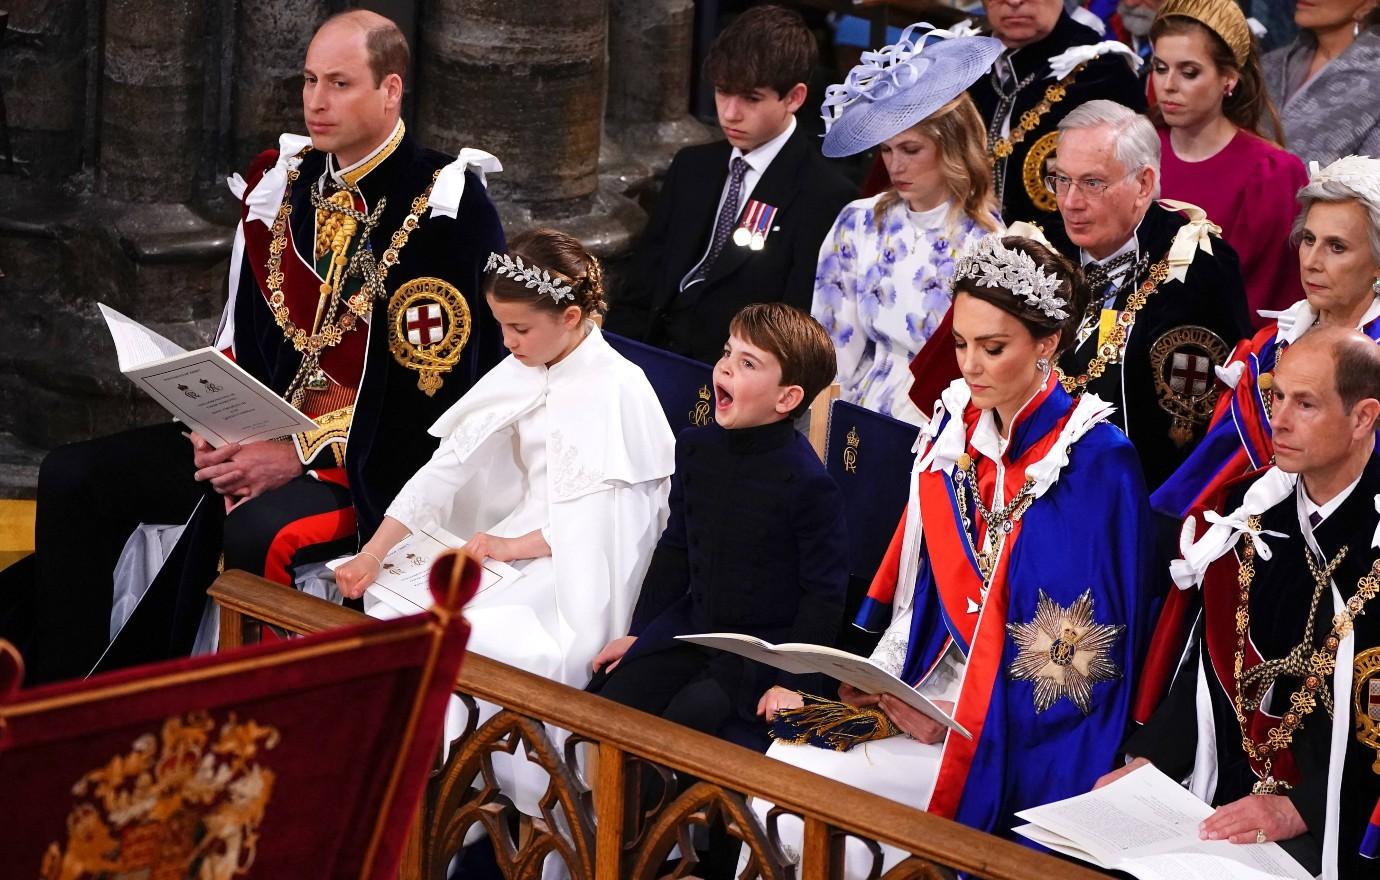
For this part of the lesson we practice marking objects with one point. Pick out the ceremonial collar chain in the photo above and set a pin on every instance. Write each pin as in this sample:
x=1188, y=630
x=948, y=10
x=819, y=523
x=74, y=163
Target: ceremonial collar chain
x=329, y=326
x=1000, y=522
x=1099, y=275
x=1315, y=668
x=532, y=276
x=1110, y=349
x=989, y=263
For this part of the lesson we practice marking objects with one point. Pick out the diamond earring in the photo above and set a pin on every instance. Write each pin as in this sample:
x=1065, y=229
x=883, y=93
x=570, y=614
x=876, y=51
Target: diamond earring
x=1375, y=287
x=1042, y=364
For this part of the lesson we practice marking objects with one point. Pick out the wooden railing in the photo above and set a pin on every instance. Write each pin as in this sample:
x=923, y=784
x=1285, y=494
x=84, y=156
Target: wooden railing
x=593, y=812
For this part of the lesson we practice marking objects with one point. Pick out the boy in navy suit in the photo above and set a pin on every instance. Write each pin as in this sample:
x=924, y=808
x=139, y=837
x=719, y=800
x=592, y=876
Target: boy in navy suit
x=738, y=221
x=755, y=543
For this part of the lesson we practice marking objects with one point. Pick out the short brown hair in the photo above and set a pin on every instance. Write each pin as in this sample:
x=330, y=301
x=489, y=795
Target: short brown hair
x=765, y=47
x=568, y=262
x=1074, y=291
x=798, y=342
x=383, y=39
x=1356, y=361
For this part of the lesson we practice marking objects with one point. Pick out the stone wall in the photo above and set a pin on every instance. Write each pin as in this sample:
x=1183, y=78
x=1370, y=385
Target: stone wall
x=127, y=115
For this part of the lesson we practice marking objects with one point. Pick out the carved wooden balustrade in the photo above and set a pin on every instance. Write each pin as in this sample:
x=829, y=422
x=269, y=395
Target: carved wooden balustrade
x=596, y=814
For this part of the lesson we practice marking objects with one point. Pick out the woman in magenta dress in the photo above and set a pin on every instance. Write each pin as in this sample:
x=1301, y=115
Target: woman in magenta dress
x=1211, y=102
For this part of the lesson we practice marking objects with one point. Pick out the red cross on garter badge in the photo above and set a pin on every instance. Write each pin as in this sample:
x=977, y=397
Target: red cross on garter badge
x=428, y=326
x=1182, y=362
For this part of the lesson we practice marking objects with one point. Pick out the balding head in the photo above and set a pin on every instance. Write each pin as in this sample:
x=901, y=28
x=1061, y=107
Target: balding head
x=1326, y=397
x=384, y=40
x=1355, y=361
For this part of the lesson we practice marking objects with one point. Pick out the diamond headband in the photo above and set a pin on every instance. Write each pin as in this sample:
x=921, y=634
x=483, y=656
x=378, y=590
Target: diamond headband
x=532, y=277
x=989, y=263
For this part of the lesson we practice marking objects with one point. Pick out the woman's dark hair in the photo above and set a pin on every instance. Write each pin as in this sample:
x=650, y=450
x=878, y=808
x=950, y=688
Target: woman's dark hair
x=569, y=264
x=1073, y=290
x=1249, y=103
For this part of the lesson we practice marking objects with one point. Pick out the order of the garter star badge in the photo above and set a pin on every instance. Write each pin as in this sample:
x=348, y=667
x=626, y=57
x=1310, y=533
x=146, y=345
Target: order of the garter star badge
x=1064, y=652
x=429, y=324
x=1366, y=699
x=184, y=804
x=1182, y=362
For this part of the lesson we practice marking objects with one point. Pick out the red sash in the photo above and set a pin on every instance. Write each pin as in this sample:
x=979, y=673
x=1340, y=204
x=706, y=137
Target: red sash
x=957, y=579
x=301, y=286
x=1220, y=594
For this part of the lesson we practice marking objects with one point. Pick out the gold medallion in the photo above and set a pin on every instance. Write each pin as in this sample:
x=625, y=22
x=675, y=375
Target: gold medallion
x=1182, y=362
x=1033, y=172
x=428, y=326
x=1365, y=689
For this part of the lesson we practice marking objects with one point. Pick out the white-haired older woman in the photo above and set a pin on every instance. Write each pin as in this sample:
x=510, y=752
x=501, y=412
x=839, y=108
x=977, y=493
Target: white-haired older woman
x=1338, y=237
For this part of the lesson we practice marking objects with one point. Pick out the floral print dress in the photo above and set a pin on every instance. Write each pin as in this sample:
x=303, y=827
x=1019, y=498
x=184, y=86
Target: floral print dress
x=882, y=292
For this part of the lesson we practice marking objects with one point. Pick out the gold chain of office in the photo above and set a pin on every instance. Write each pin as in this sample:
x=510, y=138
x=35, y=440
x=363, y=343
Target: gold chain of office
x=1316, y=668
x=359, y=305
x=1110, y=349
x=1003, y=147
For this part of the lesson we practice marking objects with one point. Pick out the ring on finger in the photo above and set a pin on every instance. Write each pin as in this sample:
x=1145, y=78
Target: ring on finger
x=1260, y=835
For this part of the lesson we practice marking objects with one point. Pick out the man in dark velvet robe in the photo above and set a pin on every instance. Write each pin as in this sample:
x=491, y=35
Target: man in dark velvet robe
x=1304, y=627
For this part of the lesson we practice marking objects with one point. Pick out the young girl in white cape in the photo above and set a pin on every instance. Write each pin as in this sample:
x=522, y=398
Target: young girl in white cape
x=558, y=461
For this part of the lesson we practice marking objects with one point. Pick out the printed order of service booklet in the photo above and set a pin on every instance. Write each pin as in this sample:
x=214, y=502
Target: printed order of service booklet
x=402, y=582
x=1146, y=824
x=203, y=389
x=860, y=672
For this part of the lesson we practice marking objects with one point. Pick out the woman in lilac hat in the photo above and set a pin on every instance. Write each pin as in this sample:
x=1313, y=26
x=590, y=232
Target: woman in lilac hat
x=882, y=286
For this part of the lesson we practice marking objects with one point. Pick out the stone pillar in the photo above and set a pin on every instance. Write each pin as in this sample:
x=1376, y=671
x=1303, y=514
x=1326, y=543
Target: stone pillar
x=44, y=80
x=650, y=54
x=270, y=47
x=151, y=95
x=525, y=80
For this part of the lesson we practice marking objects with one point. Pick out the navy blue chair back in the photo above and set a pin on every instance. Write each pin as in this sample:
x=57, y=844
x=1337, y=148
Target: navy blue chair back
x=869, y=456
x=684, y=386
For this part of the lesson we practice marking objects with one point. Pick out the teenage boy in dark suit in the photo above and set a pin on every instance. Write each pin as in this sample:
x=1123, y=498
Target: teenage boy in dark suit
x=739, y=221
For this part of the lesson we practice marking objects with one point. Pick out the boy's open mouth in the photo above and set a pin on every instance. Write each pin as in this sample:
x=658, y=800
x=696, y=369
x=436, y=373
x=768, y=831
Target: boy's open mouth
x=721, y=396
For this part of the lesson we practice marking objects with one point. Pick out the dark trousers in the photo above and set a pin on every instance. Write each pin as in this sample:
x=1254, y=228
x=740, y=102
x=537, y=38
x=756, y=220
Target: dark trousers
x=677, y=683
x=682, y=683
x=92, y=495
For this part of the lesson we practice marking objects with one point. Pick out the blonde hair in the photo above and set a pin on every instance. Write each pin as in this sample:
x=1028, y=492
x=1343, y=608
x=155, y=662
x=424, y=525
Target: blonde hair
x=959, y=136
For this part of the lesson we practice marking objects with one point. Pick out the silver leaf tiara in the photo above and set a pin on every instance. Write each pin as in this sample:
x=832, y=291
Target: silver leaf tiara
x=530, y=276
x=989, y=263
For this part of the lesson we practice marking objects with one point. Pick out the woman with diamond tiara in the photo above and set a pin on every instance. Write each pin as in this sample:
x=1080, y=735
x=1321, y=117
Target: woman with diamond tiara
x=558, y=461
x=1014, y=592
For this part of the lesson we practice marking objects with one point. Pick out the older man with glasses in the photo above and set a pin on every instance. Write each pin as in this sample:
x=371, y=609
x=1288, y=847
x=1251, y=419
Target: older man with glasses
x=1167, y=301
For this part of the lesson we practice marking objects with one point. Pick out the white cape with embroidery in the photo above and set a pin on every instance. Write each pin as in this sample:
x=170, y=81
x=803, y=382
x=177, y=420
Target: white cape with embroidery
x=582, y=451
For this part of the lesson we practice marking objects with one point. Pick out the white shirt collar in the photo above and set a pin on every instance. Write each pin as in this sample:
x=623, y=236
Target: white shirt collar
x=760, y=158
x=987, y=440
x=339, y=173
x=1325, y=510
x=1298, y=319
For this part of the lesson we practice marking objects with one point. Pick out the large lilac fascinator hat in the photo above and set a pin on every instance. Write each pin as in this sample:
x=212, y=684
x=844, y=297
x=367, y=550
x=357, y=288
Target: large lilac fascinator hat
x=899, y=85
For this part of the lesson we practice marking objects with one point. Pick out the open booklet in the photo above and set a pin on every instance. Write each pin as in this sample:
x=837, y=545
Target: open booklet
x=203, y=389
x=402, y=582
x=1146, y=825
x=842, y=666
